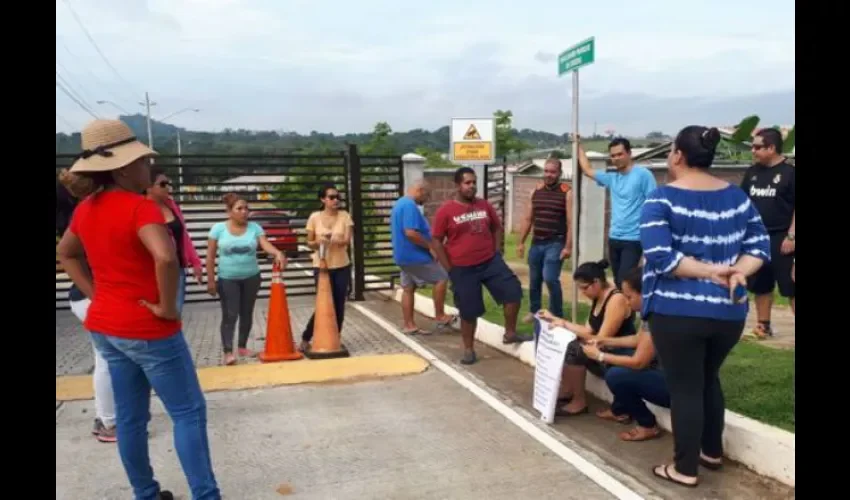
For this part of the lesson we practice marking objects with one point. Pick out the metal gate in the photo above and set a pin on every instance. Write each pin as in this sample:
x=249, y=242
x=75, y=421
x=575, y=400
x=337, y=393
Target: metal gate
x=496, y=191
x=282, y=192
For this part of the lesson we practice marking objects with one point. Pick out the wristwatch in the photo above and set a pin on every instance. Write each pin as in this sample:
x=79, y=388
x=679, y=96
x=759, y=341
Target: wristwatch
x=601, y=357
x=790, y=236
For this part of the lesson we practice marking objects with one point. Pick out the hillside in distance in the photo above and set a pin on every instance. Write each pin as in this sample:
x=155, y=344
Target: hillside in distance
x=269, y=142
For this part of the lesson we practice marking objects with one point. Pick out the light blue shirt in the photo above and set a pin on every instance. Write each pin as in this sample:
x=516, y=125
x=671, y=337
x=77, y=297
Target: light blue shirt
x=628, y=193
x=237, y=255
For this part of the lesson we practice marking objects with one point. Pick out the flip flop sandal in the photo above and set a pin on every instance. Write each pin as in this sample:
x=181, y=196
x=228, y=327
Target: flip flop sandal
x=663, y=472
x=447, y=323
x=637, y=434
x=417, y=331
x=760, y=332
x=609, y=415
x=560, y=412
x=710, y=465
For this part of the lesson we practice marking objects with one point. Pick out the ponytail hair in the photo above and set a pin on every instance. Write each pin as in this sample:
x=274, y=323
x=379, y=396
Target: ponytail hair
x=589, y=272
x=231, y=199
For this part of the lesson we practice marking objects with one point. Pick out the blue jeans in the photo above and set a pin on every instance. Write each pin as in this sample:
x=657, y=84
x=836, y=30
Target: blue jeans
x=181, y=289
x=544, y=265
x=165, y=365
x=632, y=387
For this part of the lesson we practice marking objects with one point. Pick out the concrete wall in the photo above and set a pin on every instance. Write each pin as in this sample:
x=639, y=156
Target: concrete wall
x=595, y=215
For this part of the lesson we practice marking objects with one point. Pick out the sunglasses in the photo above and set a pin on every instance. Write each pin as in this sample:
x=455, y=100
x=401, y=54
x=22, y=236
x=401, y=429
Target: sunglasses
x=163, y=184
x=332, y=196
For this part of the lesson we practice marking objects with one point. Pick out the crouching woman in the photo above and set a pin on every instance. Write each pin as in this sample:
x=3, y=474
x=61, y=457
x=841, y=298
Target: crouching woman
x=635, y=378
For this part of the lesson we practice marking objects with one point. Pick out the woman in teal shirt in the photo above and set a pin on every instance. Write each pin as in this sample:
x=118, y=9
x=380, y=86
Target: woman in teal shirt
x=235, y=243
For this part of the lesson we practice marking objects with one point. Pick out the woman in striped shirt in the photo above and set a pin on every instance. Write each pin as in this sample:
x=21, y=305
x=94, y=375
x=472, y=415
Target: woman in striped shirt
x=701, y=237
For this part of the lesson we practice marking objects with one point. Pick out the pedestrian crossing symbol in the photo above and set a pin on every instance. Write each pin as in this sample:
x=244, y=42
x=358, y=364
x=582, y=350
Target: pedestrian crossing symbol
x=472, y=134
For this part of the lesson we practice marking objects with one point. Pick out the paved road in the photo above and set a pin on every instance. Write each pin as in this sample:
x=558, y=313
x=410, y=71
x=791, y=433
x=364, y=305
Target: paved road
x=421, y=436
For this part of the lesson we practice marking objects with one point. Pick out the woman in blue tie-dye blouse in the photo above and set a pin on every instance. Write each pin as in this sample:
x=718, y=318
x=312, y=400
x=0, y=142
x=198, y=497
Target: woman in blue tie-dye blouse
x=702, y=238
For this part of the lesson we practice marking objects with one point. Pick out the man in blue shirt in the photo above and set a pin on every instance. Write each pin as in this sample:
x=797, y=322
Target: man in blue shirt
x=630, y=186
x=411, y=241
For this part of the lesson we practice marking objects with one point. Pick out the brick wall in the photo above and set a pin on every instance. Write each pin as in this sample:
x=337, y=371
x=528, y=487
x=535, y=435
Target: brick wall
x=442, y=188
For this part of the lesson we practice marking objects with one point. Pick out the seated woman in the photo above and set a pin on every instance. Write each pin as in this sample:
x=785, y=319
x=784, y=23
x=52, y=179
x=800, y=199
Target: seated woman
x=634, y=378
x=610, y=316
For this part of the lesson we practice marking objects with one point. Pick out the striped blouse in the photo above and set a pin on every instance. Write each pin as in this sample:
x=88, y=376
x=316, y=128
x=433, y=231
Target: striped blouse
x=711, y=226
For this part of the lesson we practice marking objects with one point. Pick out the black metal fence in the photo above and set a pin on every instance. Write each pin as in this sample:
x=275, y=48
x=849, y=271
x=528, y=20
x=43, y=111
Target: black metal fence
x=282, y=192
x=497, y=190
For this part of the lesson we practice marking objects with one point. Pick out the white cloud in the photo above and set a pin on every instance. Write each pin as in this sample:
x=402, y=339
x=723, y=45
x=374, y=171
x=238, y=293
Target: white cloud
x=338, y=66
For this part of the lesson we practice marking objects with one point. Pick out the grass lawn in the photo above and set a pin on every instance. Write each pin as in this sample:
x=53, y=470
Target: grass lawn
x=758, y=381
x=510, y=256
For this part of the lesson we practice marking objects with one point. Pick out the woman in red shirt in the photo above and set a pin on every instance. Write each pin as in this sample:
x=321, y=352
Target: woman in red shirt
x=133, y=317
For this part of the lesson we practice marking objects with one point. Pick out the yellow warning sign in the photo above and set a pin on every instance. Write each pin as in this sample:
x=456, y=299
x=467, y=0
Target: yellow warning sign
x=473, y=151
x=472, y=134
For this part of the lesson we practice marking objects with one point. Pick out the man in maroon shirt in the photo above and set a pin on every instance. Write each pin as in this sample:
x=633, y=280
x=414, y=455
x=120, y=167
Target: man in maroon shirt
x=466, y=237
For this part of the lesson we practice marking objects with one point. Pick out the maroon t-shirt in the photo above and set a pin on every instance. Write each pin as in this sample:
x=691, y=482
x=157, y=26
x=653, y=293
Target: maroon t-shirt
x=468, y=231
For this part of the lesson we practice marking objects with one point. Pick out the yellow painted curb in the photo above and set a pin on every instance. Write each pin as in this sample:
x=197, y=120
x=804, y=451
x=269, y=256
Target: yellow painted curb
x=252, y=376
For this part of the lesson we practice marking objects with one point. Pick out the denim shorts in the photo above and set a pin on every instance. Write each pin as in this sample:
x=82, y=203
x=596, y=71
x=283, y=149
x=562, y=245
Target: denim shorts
x=467, y=282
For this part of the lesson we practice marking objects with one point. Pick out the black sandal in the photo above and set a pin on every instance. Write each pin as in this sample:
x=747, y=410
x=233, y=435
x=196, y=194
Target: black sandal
x=667, y=477
x=708, y=464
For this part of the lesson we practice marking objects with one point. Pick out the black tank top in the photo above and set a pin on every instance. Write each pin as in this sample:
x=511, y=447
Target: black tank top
x=626, y=328
x=176, y=228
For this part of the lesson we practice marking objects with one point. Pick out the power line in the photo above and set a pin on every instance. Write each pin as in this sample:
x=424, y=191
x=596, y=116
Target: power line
x=91, y=73
x=72, y=90
x=78, y=89
x=94, y=44
x=61, y=87
x=62, y=118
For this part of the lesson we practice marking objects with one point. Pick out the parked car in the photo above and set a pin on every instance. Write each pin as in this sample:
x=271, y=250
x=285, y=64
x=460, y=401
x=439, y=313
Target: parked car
x=278, y=230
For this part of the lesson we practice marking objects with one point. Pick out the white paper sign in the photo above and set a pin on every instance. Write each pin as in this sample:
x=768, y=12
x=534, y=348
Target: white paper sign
x=549, y=362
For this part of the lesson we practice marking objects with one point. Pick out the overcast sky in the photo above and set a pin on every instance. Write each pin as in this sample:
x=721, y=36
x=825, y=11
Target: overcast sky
x=340, y=66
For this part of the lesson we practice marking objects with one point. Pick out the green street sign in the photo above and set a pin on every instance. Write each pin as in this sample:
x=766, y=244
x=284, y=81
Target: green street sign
x=577, y=56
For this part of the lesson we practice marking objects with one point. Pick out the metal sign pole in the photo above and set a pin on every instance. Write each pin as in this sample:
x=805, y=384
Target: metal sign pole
x=576, y=194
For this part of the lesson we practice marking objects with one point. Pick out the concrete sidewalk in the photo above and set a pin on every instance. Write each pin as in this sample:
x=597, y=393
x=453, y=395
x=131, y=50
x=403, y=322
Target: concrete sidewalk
x=201, y=327
x=417, y=437
x=514, y=381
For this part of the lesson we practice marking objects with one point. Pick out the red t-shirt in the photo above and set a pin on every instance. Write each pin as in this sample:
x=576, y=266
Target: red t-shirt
x=123, y=269
x=468, y=230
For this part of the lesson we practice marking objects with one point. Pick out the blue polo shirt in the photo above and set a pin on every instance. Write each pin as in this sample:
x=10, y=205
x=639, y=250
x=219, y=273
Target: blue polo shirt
x=406, y=215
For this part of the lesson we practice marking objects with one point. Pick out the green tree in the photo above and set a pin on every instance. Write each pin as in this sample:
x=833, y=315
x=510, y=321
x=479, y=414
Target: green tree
x=507, y=140
x=434, y=159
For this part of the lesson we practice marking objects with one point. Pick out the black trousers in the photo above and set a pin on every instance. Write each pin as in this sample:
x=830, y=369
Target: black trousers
x=237, y=303
x=691, y=351
x=623, y=256
x=340, y=279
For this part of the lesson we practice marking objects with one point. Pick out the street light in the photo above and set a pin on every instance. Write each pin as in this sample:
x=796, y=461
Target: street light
x=119, y=108
x=179, y=112
x=179, y=147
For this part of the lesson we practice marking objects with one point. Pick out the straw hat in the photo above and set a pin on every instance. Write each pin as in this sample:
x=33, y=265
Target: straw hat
x=108, y=145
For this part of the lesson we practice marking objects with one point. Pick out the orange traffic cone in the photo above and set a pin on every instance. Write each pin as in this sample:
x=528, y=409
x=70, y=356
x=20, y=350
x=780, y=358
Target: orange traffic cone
x=326, y=342
x=279, y=345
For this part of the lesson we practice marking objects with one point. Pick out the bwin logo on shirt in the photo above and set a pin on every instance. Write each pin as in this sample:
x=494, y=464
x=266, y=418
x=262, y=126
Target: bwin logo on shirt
x=470, y=216
x=768, y=192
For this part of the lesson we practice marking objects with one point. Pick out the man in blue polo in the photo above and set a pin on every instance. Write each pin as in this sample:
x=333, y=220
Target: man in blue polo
x=630, y=185
x=411, y=241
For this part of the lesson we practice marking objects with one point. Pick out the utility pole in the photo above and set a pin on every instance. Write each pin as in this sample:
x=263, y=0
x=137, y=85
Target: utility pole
x=179, y=165
x=147, y=104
